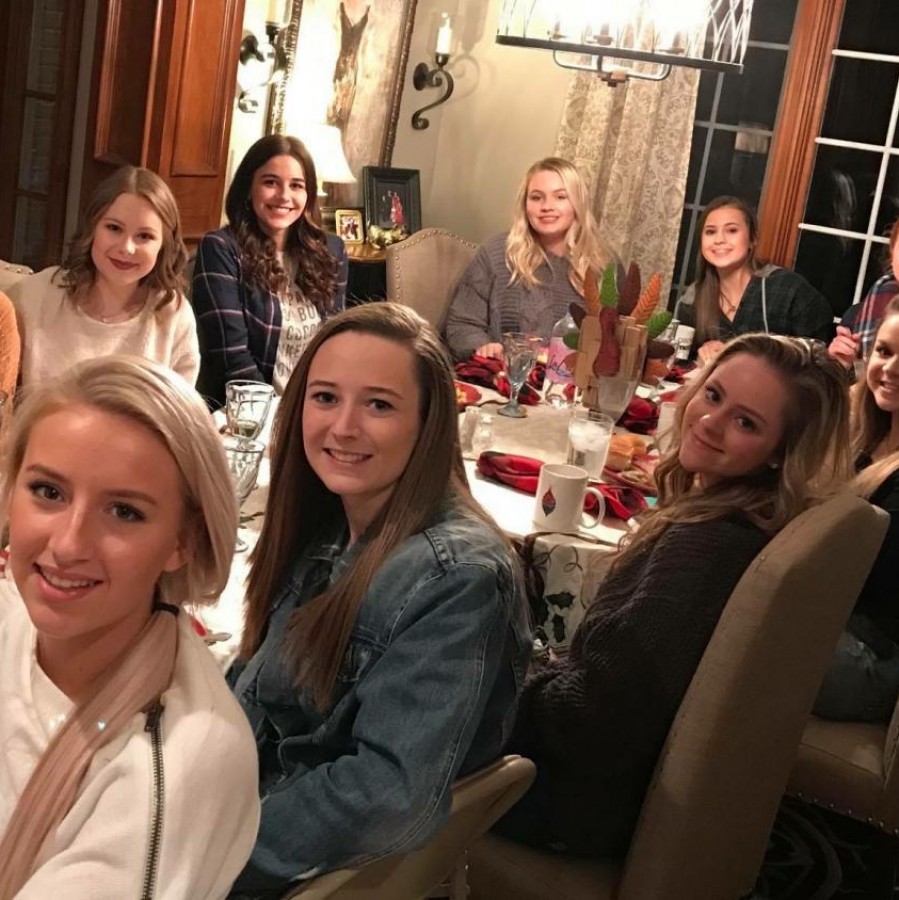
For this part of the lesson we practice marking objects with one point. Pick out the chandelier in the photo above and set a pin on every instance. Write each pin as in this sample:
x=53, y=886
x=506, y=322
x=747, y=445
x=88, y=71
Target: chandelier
x=621, y=39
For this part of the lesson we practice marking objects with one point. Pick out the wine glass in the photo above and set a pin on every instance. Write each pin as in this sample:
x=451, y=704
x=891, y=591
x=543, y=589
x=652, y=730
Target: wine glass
x=246, y=407
x=244, y=456
x=520, y=351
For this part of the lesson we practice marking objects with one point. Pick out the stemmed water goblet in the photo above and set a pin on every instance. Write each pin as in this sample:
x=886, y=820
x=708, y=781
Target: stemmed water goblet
x=246, y=407
x=244, y=456
x=520, y=351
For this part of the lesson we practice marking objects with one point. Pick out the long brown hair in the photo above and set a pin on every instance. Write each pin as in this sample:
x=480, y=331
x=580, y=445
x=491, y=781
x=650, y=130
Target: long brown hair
x=301, y=509
x=814, y=450
x=316, y=267
x=707, y=287
x=167, y=276
x=146, y=393
x=871, y=426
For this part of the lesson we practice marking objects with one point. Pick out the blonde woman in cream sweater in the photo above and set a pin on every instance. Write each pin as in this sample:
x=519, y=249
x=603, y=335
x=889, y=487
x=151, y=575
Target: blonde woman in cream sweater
x=119, y=289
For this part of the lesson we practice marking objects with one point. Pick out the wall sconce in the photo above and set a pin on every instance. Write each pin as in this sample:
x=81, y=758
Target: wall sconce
x=264, y=64
x=424, y=77
x=631, y=38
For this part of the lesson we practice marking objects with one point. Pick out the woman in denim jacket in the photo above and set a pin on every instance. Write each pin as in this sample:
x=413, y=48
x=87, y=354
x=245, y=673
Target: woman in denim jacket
x=386, y=635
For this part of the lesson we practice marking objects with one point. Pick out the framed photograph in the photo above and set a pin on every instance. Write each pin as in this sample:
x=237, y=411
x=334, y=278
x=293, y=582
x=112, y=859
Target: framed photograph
x=392, y=198
x=350, y=225
x=346, y=65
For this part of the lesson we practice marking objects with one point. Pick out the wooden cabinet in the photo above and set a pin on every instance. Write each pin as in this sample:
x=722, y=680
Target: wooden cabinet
x=162, y=96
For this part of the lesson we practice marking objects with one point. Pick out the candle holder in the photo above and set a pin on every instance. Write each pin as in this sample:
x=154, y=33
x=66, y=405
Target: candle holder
x=270, y=55
x=424, y=77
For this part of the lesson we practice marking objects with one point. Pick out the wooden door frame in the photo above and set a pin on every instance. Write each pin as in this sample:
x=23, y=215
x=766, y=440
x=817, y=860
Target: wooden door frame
x=792, y=155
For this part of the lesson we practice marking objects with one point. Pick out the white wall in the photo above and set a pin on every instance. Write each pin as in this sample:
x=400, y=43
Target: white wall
x=504, y=114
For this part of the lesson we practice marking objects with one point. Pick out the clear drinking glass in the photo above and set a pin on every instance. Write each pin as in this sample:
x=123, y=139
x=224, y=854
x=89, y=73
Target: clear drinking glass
x=246, y=407
x=520, y=352
x=589, y=433
x=482, y=436
x=244, y=456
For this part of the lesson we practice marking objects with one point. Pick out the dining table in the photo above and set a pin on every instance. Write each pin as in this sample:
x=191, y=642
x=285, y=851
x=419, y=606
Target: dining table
x=563, y=571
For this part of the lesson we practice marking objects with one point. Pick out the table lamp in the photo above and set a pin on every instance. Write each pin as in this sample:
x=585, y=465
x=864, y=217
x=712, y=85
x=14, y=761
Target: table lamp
x=325, y=146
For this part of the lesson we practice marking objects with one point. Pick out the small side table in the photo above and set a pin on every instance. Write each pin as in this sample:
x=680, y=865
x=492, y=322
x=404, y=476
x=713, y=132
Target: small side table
x=367, y=281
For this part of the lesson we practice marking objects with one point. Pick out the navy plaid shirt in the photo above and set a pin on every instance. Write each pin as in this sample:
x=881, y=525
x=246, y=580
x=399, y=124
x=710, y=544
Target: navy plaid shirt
x=238, y=324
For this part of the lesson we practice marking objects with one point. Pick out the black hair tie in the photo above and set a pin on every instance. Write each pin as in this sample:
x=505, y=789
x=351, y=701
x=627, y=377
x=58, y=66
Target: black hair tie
x=166, y=607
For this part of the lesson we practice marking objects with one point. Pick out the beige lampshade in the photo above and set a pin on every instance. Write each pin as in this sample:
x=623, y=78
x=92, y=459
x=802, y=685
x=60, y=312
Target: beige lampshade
x=326, y=148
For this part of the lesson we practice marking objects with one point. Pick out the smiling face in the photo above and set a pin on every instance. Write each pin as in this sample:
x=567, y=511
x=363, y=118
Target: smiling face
x=736, y=423
x=278, y=196
x=726, y=243
x=883, y=366
x=95, y=517
x=361, y=420
x=126, y=241
x=548, y=207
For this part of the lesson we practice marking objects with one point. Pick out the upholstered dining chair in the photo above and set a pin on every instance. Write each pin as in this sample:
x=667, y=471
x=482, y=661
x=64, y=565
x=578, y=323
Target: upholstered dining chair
x=479, y=800
x=424, y=269
x=851, y=768
x=707, y=814
x=10, y=273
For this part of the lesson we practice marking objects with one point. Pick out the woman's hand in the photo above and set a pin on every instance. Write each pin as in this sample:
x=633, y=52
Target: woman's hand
x=844, y=347
x=491, y=351
x=708, y=351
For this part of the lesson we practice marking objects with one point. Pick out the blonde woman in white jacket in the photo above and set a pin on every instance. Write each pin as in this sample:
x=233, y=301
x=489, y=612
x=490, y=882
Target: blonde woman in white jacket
x=128, y=769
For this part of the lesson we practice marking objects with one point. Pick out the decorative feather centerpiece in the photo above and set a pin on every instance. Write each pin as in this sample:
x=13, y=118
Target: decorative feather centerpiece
x=618, y=331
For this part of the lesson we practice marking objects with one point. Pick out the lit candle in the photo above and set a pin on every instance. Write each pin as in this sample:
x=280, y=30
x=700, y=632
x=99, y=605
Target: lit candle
x=276, y=11
x=444, y=36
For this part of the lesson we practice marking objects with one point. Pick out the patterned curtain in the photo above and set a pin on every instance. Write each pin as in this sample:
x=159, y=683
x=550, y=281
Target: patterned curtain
x=632, y=144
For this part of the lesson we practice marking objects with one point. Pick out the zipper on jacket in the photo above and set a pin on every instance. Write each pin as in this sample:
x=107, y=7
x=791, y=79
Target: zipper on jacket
x=154, y=727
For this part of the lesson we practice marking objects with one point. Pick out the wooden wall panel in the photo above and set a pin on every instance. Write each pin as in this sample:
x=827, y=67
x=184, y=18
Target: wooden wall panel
x=127, y=79
x=799, y=121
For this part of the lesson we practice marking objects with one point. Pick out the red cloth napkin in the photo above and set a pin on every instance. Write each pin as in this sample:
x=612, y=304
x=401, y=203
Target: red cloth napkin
x=491, y=373
x=641, y=416
x=522, y=472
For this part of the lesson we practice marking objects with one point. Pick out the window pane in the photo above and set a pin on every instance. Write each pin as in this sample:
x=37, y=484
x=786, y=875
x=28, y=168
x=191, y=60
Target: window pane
x=697, y=148
x=842, y=188
x=871, y=26
x=860, y=100
x=736, y=171
x=889, y=200
x=37, y=141
x=831, y=264
x=772, y=22
x=754, y=95
x=46, y=44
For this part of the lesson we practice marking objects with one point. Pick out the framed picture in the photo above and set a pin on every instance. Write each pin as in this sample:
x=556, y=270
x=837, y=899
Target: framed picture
x=392, y=198
x=350, y=225
x=346, y=65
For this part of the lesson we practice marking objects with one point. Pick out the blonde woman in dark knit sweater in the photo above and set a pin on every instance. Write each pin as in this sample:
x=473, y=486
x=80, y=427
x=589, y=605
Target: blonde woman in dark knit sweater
x=526, y=279
x=760, y=436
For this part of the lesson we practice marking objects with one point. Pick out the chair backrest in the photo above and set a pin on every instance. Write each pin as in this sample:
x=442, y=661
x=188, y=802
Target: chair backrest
x=10, y=273
x=423, y=271
x=708, y=812
x=479, y=800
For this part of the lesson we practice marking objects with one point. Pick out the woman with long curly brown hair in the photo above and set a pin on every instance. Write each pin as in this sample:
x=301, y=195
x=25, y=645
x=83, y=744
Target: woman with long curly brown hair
x=119, y=289
x=761, y=435
x=263, y=284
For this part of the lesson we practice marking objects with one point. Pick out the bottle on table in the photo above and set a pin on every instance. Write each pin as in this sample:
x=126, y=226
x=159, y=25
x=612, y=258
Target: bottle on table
x=558, y=377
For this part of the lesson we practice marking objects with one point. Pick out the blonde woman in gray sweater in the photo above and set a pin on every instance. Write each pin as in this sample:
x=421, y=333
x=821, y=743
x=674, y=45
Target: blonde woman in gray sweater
x=525, y=280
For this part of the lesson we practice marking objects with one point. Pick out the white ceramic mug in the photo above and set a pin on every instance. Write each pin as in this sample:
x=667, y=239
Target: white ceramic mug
x=560, y=499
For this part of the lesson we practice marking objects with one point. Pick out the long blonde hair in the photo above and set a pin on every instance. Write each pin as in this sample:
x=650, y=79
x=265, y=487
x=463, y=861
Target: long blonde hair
x=870, y=426
x=584, y=247
x=301, y=509
x=160, y=401
x=814, y=450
